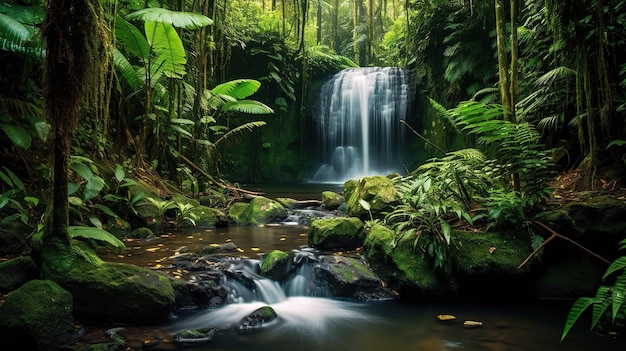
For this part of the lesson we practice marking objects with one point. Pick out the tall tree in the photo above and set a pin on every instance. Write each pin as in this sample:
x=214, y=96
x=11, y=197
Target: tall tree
x=75, y=40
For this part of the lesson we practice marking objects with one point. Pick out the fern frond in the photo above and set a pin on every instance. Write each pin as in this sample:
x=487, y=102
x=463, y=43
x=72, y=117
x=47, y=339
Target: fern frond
x=234, y=134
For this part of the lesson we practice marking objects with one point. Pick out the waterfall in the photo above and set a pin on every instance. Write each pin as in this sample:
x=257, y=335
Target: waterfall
x=358, y=128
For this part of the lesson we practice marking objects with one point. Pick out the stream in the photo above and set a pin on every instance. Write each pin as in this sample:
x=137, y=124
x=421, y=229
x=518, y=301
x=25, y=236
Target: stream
x=309, y=318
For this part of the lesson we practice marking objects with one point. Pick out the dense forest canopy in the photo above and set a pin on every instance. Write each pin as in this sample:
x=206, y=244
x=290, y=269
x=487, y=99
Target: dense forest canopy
x=180, y=79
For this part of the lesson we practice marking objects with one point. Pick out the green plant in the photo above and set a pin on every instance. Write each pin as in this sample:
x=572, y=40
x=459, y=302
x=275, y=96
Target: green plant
x=96, y=236
x=424, y=216
x=184, y=214
x=162, y=206
x=607, y=296
x=15, y=203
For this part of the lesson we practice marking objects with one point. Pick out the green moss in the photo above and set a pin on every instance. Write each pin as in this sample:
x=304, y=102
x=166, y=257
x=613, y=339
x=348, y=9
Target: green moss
x=474, y=252
x=275, y=264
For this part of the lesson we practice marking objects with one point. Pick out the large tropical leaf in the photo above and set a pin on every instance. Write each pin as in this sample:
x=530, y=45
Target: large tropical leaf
x=238, y=88
x=187, y=20
x=16, y=33
x=93, y=233
x=247, y=106
x=168, y=46
x=129, y=72
x=131, y=38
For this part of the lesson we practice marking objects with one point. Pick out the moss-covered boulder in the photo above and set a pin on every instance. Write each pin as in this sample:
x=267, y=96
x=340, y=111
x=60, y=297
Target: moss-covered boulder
x=235, y=211
x=349, y=277
x=378, y=191
x=106, y=291
x=402, y=267
x=15, y=272
x=340, y=233
x=204, y=217
x=142, y=233
x=275, y=265
x=37, y=316
x=487, y=265
x=331, y=200
x=261, y=210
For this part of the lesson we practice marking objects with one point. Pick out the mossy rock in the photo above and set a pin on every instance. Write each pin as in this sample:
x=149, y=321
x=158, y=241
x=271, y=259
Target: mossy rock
x=262, y=210
x=287, y=202
x=204, y=217
x=235, y=211
x=142, y=233
x=402, y=267
x=257, y=319
x=379, y=193
x=275, y=265
x=487, y=265
x=107, y=291
x=37, y=316
x=17, y=271
x=331, y=200
x=349, y=277
x=341, y=233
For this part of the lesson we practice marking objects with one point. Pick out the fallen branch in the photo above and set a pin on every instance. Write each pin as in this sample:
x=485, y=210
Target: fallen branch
x=219, y=183
x=555, y=235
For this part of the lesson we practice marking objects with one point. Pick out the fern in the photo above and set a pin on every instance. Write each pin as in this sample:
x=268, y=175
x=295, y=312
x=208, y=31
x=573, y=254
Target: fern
x=609, y=299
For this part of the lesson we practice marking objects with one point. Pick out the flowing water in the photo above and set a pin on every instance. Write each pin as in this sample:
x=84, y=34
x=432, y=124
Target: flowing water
x=310, y=319
x=358, y=127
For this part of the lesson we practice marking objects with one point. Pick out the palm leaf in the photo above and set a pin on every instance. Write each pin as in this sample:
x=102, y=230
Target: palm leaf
x=12, y=30
x=238, y=88
x=180, y=19
x=131, y=38
x=168, y=46
x=93, y=233
x=128, y=71
x=236, y=133
x=247, y=106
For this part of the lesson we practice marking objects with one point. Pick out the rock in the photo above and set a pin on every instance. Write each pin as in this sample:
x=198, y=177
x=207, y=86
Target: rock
x=38, y=316
x=195, y=335
x=348, y=277
x=118, y=227
x=257, y=319
x=260, y=210
x=378, y=191
x=142, y=233
x=15, y=272
x=341, y=233
x=106, y=291
x=331, y=200
x=275, y=265
x=205, y=217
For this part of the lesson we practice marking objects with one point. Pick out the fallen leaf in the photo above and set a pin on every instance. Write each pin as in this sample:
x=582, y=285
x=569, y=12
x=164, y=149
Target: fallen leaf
x=446, y=317
x=492, y=249
x=472, y=324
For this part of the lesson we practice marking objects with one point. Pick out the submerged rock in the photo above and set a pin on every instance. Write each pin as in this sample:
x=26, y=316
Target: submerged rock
x=258, y=318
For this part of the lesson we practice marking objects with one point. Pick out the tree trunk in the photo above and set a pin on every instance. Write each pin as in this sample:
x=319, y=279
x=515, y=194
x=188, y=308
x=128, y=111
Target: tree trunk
x=74, y=37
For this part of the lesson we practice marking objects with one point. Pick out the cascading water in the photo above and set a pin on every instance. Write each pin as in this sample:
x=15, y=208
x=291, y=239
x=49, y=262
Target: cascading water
x=304, y=306
x=358, y=128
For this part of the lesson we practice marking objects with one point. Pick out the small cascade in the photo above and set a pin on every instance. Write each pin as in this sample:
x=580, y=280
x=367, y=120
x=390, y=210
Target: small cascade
x=303, y=305
x=358, y=128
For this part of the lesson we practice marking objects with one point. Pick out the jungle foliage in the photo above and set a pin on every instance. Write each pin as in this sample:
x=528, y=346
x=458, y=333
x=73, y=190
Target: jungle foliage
x=166, y=89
